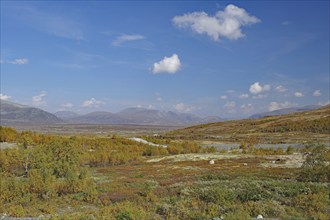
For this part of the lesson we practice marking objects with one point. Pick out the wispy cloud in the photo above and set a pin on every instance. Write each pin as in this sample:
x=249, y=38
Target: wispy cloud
x=276, y=105
x=38, y=100
x=93, y=103
x=223, y=97
x=247, y=108
x=244, y=96
x=317, y=93
x=183, y=108
x=126, y=38
x=47, y=22
x=67, y=105
x=167, y=65
x=19, y=61
x=281, y=88
x=230, y=107
x=285, y=23
x=4, y=97
x=225, y=24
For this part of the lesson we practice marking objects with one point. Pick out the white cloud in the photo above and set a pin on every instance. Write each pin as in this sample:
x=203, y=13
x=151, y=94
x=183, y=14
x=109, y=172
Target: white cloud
x=266, y=88
x=181, y=107
x=247, y=108
x=48, y=22
x=259, y=96
x=4, y=97
x=324, y=103
x=256, y=88
x=126, y=37
x=230, y=107
x=298, y=94
x=38, y=100
x=159, y=99
x=67, y=105
x=93, y=103
x=223, y=97
x=317, y=93
x=281, y=88
x=167, y=65
x=21, y=61
x=225, y=24
x=286, y=22
x=275, y=105
x=244, y=96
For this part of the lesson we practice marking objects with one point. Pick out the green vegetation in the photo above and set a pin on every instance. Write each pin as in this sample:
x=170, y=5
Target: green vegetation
x=86, y=177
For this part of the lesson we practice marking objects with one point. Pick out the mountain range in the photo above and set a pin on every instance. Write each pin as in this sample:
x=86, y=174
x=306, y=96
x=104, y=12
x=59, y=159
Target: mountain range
x=15, y=114
x=137, y=116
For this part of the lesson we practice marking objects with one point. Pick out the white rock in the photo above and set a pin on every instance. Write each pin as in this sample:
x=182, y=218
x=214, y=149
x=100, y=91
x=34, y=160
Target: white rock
x=211, y=162
x=260, y=217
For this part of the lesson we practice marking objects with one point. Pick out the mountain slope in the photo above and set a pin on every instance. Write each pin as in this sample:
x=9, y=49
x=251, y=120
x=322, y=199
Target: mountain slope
x=13, y=113
x=285, y=111
x=65, y=115
x=311, y=125
x=138, y=116
x=99, y=118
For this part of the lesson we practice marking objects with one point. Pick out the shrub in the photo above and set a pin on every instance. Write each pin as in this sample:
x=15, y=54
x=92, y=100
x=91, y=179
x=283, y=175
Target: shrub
x=316, y=166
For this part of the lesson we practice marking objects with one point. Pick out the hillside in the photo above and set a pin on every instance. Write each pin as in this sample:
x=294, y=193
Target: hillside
x=311, y=125
x=285, y=111
x=13, y=114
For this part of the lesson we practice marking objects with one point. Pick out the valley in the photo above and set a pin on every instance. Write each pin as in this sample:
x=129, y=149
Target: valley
x=125, y=172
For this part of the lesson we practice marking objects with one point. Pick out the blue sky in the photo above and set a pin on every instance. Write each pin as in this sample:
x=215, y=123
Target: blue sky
x=224, y=58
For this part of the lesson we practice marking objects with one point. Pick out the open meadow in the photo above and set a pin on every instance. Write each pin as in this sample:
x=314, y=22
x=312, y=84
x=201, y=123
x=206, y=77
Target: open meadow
x=51, y=176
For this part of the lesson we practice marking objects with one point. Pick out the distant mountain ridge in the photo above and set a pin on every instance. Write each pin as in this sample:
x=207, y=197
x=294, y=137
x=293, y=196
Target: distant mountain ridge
x=13, y=113
x=64, y=115
x=141, y=116
x=285, y=111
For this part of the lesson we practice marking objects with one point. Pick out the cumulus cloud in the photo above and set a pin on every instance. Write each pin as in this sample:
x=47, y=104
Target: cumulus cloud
x=93, y=103
x=317, y=93
x=275, y=105
x=298, y=94
x=167, y=65
x=281, y=88
x=125, y=38
x=21, y=61
x=223, y=97
x=4, y=97
x=225, y=24
x=244, y=96
x=38, y=100
x=181, y=107
x=256, y=88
